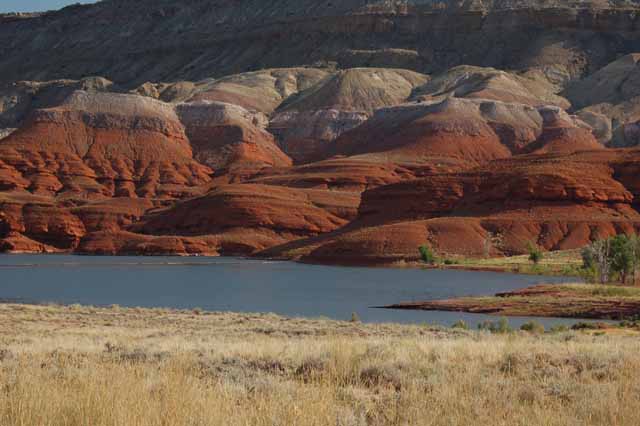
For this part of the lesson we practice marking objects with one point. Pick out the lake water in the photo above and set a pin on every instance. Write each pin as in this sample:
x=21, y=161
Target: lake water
x=241, y=285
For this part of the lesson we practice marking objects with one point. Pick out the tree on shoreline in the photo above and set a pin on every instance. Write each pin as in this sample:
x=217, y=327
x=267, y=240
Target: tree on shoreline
x=427, y=255
x=615, y=257
x=535, y=254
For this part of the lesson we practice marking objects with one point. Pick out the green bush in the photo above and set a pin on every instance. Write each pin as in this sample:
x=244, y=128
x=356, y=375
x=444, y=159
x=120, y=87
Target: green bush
x=427, y=255
x=497, y=327
x=588, y=326
x=632, y=323
x=623, y=256
x=611, y=259
x=559, y=329
x=533, y=327
x=503, y=326
x=535, y=254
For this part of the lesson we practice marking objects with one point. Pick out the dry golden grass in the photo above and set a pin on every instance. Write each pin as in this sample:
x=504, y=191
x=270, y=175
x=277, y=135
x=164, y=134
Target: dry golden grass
x=98, y=366
x=566, y=262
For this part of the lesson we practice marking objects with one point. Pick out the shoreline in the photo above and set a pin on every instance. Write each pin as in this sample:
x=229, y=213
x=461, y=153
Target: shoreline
x=572, y=301
x=467, y=264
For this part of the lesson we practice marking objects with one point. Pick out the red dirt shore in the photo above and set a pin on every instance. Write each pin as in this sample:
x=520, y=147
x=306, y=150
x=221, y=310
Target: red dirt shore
x=561, y=301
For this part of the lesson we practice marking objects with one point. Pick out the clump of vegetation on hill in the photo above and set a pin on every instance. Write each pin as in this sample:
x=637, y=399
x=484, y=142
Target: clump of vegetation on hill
x=535, y=254
x=427, y=255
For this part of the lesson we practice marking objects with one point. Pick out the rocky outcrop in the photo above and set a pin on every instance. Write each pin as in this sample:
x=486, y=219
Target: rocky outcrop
x=342, y=174
x=559, y=202
x=101, y=145
x=238, y=127
x=626, y=135
x=167, y=92
x=245, y=206
x=261, y=91
x=231, y=220
x=18, y=99
x=230, y=139
x=358, y=89
x=306, y=123
x=489, y=83
x=306, y=136
x=191, y=40
x=465, y=132
x=617, y=82
x=610, y=100
x=6, y=132
x=562, y=133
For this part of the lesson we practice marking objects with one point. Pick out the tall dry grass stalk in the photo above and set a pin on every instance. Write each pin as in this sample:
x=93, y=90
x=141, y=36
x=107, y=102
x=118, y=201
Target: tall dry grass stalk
x=88, y=366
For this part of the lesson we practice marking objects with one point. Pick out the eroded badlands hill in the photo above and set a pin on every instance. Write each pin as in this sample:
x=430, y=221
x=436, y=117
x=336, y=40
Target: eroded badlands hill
x=476, y=127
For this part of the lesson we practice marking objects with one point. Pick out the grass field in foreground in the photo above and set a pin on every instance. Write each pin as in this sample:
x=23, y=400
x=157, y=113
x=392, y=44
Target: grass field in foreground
x=113, y=366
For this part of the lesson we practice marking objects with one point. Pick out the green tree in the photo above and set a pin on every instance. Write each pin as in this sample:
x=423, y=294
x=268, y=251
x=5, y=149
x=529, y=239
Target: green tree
x=596, y=257
x=617, y=256
x=623, y=258
x=426, y=254
x=535, y=254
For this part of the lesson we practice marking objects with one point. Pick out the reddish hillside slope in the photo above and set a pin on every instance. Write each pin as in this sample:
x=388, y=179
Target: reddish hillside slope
x=558, y=201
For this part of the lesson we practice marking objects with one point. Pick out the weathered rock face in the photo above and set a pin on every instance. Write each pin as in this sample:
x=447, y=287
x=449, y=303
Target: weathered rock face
x=191, y=40
x=167, y=92
x=101, y=145
x=610, y=100
x=226, y=136
x=306, y=135
x=303, y=211
x=626, y=135
x=306, y=123
x=261, y=91
x=342, y=174
x=358, y=89
x=381, y=58
x=617, y=82
x=562, y=133
x=232, y=220
x=600, y=125
x=559, y=202
x=468, y=132
x=6, y=132
x=193, y=150
x=18, y=99
x=425, y=133
x=489, y=83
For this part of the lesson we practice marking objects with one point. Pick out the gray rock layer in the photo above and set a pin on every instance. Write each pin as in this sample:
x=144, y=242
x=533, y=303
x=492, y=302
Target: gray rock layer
x=161, y=40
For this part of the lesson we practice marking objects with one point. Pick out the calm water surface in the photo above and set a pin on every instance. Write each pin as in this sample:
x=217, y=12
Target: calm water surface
x=241, y=285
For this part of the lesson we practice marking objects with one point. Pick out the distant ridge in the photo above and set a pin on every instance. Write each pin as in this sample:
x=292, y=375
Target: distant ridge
x=134, y=42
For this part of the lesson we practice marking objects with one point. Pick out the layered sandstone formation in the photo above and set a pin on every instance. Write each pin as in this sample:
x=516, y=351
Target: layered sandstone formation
x=155, y=41
x=558, y=202
x=455, y=132
x=226, y=136
x=306, y=123
x=351, y=132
